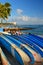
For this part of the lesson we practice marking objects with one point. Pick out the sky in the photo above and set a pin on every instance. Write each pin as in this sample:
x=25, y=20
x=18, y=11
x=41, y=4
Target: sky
x=26, y=11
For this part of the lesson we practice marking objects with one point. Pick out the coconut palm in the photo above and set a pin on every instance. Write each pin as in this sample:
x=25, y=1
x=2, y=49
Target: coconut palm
x=5, y=10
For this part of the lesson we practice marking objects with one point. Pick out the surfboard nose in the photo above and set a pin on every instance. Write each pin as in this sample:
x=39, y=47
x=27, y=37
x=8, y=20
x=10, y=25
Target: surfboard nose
x=3, y=58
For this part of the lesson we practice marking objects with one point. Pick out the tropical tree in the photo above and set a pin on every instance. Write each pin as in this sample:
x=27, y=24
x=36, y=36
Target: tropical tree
x=4, y=10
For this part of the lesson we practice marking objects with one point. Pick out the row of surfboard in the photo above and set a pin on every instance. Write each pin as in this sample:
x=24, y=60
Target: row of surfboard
x=26, y=48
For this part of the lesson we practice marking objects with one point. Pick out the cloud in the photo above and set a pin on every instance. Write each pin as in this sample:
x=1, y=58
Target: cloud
x=28, y=20
x=19, y=11
x=24, y=19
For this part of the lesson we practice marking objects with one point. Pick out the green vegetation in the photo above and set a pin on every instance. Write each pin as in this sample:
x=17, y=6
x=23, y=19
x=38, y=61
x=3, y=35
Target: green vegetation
x=4, y=10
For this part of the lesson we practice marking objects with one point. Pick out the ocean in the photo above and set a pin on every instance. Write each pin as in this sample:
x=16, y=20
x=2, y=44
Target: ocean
x=37, y=29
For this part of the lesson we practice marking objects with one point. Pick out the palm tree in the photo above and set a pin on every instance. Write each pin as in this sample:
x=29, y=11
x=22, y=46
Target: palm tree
x=4, y=10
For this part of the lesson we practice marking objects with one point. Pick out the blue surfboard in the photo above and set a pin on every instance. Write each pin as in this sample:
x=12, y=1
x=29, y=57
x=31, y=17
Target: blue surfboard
x=24, y=49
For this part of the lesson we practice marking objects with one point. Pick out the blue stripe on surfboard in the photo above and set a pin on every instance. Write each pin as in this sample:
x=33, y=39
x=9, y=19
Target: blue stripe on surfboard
x=32, y=44
x=18, y=57
x=37, y=37
x=35, y=41
x=24, y=49
x=6, y=45
x=21, y=40
x=3, y=55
